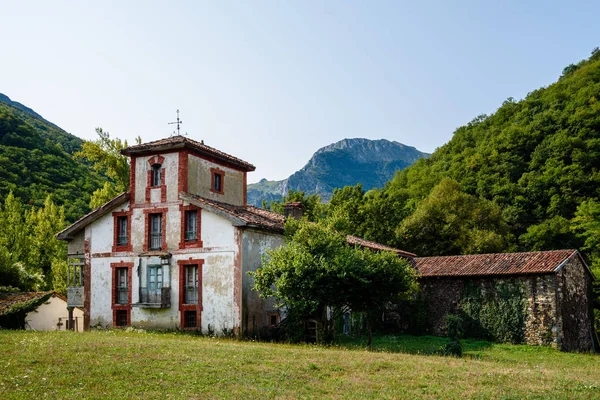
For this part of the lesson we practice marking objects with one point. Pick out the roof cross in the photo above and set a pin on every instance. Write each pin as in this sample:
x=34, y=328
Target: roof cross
x=178, y=122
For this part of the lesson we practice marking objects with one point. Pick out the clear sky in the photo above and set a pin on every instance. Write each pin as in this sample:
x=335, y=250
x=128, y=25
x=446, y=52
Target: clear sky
x=273, y=81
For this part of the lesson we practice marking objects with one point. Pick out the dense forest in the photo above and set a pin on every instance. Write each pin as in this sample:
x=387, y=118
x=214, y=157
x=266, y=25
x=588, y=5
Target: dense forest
x=524, y=178
x=36, y=160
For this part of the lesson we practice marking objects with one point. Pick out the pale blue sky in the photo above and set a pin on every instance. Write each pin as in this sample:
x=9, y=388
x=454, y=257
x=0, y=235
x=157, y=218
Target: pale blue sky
x=273, y=81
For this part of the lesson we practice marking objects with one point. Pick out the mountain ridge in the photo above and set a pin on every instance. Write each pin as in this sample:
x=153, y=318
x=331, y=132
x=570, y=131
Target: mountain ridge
x=343, y=163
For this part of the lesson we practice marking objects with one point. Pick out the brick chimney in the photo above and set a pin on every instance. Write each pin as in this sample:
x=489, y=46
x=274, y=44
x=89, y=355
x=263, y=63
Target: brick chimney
x=293, y=209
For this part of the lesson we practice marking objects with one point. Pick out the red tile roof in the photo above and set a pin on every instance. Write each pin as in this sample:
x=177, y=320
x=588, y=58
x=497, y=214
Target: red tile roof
x=355, y=240
x=242, y=216
x=9, y=300
x=69, y=231
x=180, y=142
x=538, y=262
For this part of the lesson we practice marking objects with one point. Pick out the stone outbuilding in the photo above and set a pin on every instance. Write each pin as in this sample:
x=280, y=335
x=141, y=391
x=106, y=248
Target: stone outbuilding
x=554, y=287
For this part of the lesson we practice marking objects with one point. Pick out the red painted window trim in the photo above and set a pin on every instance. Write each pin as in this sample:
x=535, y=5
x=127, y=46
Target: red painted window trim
x=190, y=307
x=183, y=244
x=128, y=247
x=182, y=173
x=147, y=212
x=213, y=172
x=156, y=160
x=132, y=163
x=120, y=307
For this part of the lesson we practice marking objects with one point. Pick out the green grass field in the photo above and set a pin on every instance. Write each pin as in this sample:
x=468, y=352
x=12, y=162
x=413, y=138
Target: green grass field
x=121, y=364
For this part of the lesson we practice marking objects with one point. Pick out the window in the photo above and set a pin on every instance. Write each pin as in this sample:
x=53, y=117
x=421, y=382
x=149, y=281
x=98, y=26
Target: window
x=191, y=225
x=121, y=317
x=156, y=171
x=122, y=231
x=191, y=284
x=273, y=318
x=155, y=238
x=190, y=319
x=122, y=286
x=218, y=178
x=217, y=185
x=155, y=278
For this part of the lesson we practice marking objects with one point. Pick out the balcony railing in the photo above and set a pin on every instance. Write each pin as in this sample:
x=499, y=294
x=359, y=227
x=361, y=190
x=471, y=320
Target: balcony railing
x=191, y=295
x=122, y=295
x=156, y=241
x=154, y=298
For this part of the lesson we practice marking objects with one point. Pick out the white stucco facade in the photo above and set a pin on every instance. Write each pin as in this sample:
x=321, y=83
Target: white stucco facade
x=156, y=276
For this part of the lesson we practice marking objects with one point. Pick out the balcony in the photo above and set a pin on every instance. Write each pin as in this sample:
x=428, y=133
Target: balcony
x=154, y=298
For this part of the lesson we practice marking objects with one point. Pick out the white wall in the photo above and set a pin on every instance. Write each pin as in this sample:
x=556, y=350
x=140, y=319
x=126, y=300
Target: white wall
x=46, y=316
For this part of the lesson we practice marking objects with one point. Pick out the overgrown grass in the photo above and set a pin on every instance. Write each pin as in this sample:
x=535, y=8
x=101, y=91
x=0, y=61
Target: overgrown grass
x=120, y=364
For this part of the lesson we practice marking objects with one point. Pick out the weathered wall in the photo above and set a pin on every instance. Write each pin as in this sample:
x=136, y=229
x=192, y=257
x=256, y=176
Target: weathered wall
x=255, y=309
x=45, y=317
x=542, y=325
x=75, y=245
x=200, y=180
x=170, y=164
x=219, y=253
x=573, y=297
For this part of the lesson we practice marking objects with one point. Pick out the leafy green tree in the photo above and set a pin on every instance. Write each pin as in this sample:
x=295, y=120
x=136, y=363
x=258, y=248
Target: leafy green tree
x=44, y=248
x=451, y=222
x=318, y=269
x=106, y=158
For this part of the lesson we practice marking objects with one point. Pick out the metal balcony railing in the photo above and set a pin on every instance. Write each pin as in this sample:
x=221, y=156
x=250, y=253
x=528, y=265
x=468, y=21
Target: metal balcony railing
x=156, y=241
x=155, y=298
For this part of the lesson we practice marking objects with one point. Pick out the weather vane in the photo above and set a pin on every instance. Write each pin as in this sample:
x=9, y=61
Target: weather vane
x=178, y=122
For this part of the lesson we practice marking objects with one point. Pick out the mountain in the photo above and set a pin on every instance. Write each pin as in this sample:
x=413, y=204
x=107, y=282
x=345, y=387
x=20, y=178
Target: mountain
x=36, y=160
x=345, y=163
x=526, y=178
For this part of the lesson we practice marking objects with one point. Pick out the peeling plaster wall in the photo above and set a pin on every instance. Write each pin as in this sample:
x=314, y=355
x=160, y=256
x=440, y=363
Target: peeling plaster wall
x=200, y=180
x=255, y=309
x=142, y=167
x=75, y=245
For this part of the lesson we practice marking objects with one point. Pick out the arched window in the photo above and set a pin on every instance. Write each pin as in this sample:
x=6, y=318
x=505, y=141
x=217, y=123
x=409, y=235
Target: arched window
x=156, y=171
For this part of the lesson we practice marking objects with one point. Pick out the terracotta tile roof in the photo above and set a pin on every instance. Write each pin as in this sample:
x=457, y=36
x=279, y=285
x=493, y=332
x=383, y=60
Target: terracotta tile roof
x=355, y=240
x=90, y=217
x=180, y=142
x=8, y=300
x=241, y=216
x=538, y=262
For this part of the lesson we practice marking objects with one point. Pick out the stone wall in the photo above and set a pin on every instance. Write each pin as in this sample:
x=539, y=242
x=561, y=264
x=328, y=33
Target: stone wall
x=575, y=311
x=557, y=310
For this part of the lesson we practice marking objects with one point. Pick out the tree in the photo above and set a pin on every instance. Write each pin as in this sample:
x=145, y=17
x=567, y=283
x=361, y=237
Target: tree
x=317, y=270
x=106, y=158
x=450, y=222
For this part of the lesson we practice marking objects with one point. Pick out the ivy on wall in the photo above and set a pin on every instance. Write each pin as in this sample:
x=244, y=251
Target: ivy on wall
x=496, y=313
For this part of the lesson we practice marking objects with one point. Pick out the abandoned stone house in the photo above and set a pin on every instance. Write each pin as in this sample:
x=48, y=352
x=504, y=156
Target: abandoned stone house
x=175, y=250
x=555, y=287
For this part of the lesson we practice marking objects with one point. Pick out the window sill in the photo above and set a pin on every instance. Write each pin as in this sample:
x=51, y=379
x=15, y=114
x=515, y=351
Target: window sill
x=151, y=305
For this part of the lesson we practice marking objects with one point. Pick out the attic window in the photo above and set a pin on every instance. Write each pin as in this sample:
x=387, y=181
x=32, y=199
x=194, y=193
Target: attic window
x=156, y=171
x=217, y=181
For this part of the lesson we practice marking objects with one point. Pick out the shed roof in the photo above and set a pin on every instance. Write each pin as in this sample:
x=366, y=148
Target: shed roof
x=355, y=240
x=239, y=215
x=528, y=263
x=9, y=300
x=181, y=142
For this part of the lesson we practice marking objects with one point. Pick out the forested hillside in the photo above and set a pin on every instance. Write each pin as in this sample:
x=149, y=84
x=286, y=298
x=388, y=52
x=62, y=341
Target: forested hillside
x=524, y=178
x=36, y=160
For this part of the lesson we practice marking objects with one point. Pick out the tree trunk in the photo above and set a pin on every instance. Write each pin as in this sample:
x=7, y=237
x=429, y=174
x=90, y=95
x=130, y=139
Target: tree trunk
x=370, y=332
